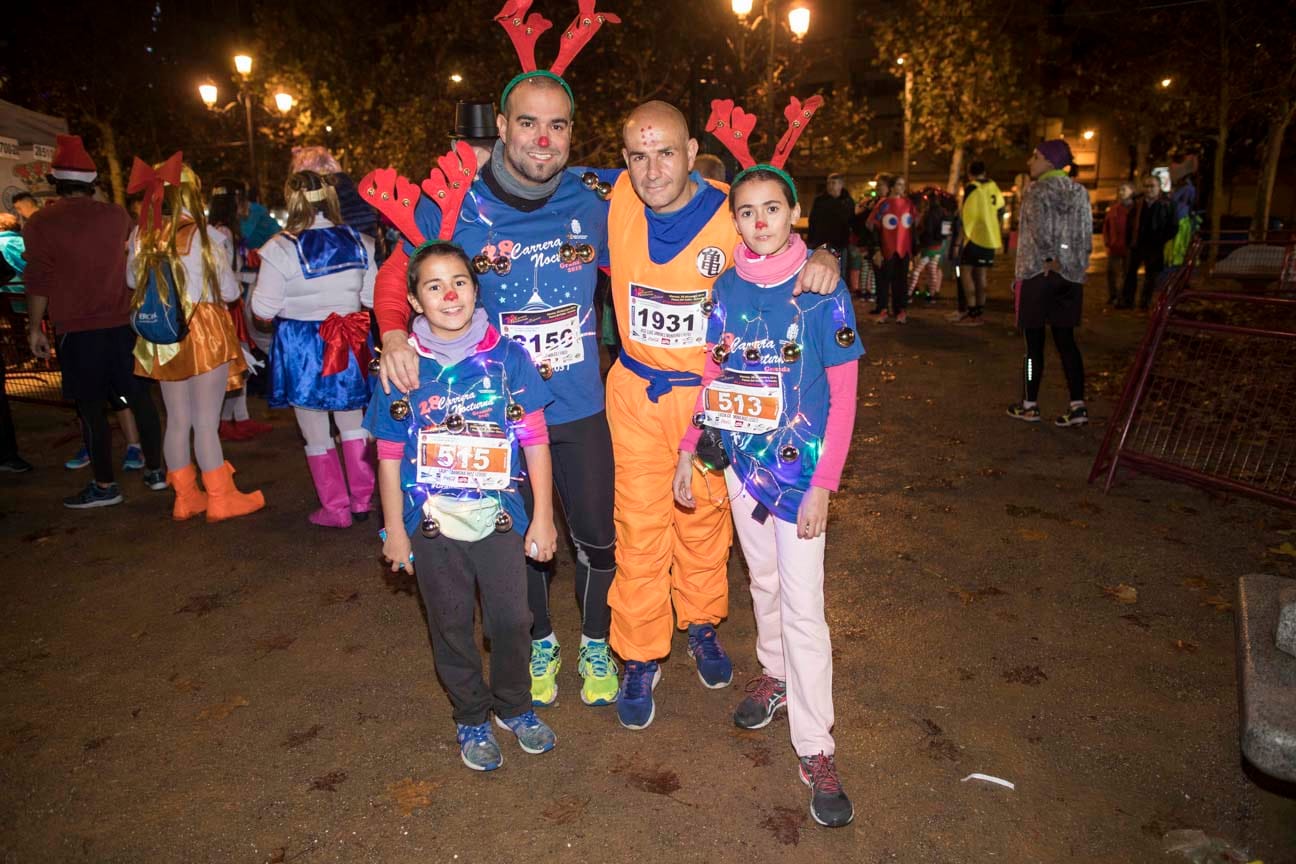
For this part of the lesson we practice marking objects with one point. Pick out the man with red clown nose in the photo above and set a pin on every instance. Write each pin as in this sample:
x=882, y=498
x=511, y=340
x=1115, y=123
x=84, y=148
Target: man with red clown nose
x=537, y=234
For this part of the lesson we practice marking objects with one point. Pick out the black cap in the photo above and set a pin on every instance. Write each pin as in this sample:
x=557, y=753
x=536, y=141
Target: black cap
x=474, y=120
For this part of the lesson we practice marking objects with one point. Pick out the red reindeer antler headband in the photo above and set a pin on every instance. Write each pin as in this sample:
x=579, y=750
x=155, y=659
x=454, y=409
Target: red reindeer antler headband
x=447, y=185
x=524, y=30
x=733, y=126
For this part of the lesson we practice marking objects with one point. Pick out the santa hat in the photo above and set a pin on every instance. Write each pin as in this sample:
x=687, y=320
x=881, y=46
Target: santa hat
x=71, y=161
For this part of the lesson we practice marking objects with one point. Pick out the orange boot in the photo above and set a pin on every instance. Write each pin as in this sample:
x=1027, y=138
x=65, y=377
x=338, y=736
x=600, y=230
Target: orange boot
x=224, y=501
x=190, y=500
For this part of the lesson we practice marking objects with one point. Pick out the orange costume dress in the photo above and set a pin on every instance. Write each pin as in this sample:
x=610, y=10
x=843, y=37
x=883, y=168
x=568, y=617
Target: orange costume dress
x=212, y=339
x=665, y=554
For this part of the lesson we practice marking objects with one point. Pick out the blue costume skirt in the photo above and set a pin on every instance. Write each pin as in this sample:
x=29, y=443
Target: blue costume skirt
x=295, y=380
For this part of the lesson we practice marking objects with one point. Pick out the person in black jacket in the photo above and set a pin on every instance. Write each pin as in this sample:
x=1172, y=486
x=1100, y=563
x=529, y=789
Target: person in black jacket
x=830, y=217
x=1151, y=225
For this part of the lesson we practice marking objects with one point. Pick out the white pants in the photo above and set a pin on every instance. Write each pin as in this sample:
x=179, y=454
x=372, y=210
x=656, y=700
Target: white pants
x=792, y=643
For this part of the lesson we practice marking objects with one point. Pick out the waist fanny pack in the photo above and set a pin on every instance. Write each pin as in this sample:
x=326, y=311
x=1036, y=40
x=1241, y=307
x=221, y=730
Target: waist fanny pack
x=158, y=316
x=466, y=519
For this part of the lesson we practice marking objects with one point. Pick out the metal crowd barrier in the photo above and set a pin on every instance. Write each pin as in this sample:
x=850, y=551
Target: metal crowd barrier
x=27, y=379
x=1208, y=399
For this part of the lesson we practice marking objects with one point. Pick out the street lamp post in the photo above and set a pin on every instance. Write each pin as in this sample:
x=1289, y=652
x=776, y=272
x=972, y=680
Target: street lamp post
x=798, y=24
x=210, y=96
x=243, y=66
x=908, y=116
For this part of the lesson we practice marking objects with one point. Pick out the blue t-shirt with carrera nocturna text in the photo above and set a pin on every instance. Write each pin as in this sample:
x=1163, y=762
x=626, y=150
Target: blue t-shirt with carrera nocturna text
x=480, y=459
x=543, y=302
x=776, y=399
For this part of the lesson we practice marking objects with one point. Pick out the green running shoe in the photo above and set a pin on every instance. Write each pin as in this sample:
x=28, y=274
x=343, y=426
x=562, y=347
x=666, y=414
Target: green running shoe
x=545, y=663
x=599, y=670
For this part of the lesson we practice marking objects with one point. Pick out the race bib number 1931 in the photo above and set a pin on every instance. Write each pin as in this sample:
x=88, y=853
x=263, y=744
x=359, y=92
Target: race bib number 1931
x=479, y=457
x=667, y=319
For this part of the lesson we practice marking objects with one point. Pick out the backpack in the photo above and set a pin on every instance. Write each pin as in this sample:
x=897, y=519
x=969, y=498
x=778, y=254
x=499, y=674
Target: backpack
x=162, y=323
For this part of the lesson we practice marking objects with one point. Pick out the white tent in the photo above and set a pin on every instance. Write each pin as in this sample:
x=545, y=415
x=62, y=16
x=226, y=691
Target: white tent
x=26, y=148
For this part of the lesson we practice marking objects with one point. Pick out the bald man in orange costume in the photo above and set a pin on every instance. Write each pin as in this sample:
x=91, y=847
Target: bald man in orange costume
x=669, y=236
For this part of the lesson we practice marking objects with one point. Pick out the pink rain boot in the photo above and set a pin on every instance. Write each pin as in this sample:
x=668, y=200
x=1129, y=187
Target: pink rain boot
x=326, y=471
x=360, y=454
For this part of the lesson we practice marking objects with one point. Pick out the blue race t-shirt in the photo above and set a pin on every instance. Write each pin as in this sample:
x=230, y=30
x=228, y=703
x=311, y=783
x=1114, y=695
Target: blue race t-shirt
x=479, y=389
x=773, y=410
x=543, y=303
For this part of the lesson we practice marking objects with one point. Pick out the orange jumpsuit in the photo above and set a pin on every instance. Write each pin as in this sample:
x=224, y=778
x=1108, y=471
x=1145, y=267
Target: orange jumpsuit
x=665, y=554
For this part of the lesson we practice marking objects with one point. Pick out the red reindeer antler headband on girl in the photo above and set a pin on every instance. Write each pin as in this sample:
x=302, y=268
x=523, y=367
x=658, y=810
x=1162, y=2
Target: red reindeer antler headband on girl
x=447, y=185
x=152, y=182
x=525, y=29
x=733, y=126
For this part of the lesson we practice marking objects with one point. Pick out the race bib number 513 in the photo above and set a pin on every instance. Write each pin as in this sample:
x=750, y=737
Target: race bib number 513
x=479, y=457
x=749, y=402
x=667, y=319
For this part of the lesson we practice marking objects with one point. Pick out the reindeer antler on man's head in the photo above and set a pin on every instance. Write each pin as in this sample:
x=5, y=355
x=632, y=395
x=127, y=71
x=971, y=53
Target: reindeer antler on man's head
x=733, y=126
x=524, y=30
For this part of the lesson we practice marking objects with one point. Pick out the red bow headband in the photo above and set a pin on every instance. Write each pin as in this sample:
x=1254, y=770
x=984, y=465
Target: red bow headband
x=144, y=178
x=733, y=126
x=447, y=185
x=523, y=30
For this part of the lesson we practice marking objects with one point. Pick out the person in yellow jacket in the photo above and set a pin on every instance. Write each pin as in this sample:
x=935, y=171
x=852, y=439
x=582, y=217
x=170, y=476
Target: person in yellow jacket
x=670, y=235
x=982, y=205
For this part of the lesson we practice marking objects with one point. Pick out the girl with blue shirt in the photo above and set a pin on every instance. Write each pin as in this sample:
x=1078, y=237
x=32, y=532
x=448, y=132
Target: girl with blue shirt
x=448, y=475
x=780, y=388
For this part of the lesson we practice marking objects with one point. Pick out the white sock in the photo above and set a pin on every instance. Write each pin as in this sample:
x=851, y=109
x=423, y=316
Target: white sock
x=586, y=640
x=1026, y=404
x=1078, y=404
x=552, y=638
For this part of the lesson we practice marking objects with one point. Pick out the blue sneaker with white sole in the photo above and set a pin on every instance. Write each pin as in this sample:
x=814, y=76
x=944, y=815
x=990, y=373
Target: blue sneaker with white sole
x=478, y=747
x=713, y=665
x=533, y=736
x=79, y=459
x=635, y=707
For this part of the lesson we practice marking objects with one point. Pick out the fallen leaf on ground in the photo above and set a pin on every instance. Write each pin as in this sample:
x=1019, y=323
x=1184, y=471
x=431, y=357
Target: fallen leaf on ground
x=566, y=810
x=1032, y=535
x=1122, y=593
x=1285, y=549
x=296, y=739
x=1183, y=647
x=410, y=794
x=185, y=685
x=328, y=782
x=1218, y=602
x=276, y=643
x=1195, y=583
x=785, y=824
x=221, y=710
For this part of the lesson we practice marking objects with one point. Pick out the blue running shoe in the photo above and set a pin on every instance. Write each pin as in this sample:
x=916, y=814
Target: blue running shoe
x=713, y=665
x=635, y=708
x=478, y=747
x=80, y=459
x=532, y=734
x=134, y=460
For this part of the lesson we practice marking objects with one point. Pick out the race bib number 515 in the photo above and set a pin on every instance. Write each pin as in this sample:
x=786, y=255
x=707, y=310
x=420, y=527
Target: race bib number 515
x=479, y=457
x=667, y=319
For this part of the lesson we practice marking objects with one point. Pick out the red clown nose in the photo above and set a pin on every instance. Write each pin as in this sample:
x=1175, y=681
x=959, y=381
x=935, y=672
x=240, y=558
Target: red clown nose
x=543, y=141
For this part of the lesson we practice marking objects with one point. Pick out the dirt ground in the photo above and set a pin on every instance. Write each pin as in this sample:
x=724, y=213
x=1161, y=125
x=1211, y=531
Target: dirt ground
x=261, y=691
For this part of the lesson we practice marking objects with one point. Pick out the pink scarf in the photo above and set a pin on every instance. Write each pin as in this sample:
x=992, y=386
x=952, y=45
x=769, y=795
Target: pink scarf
x=770, y=269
